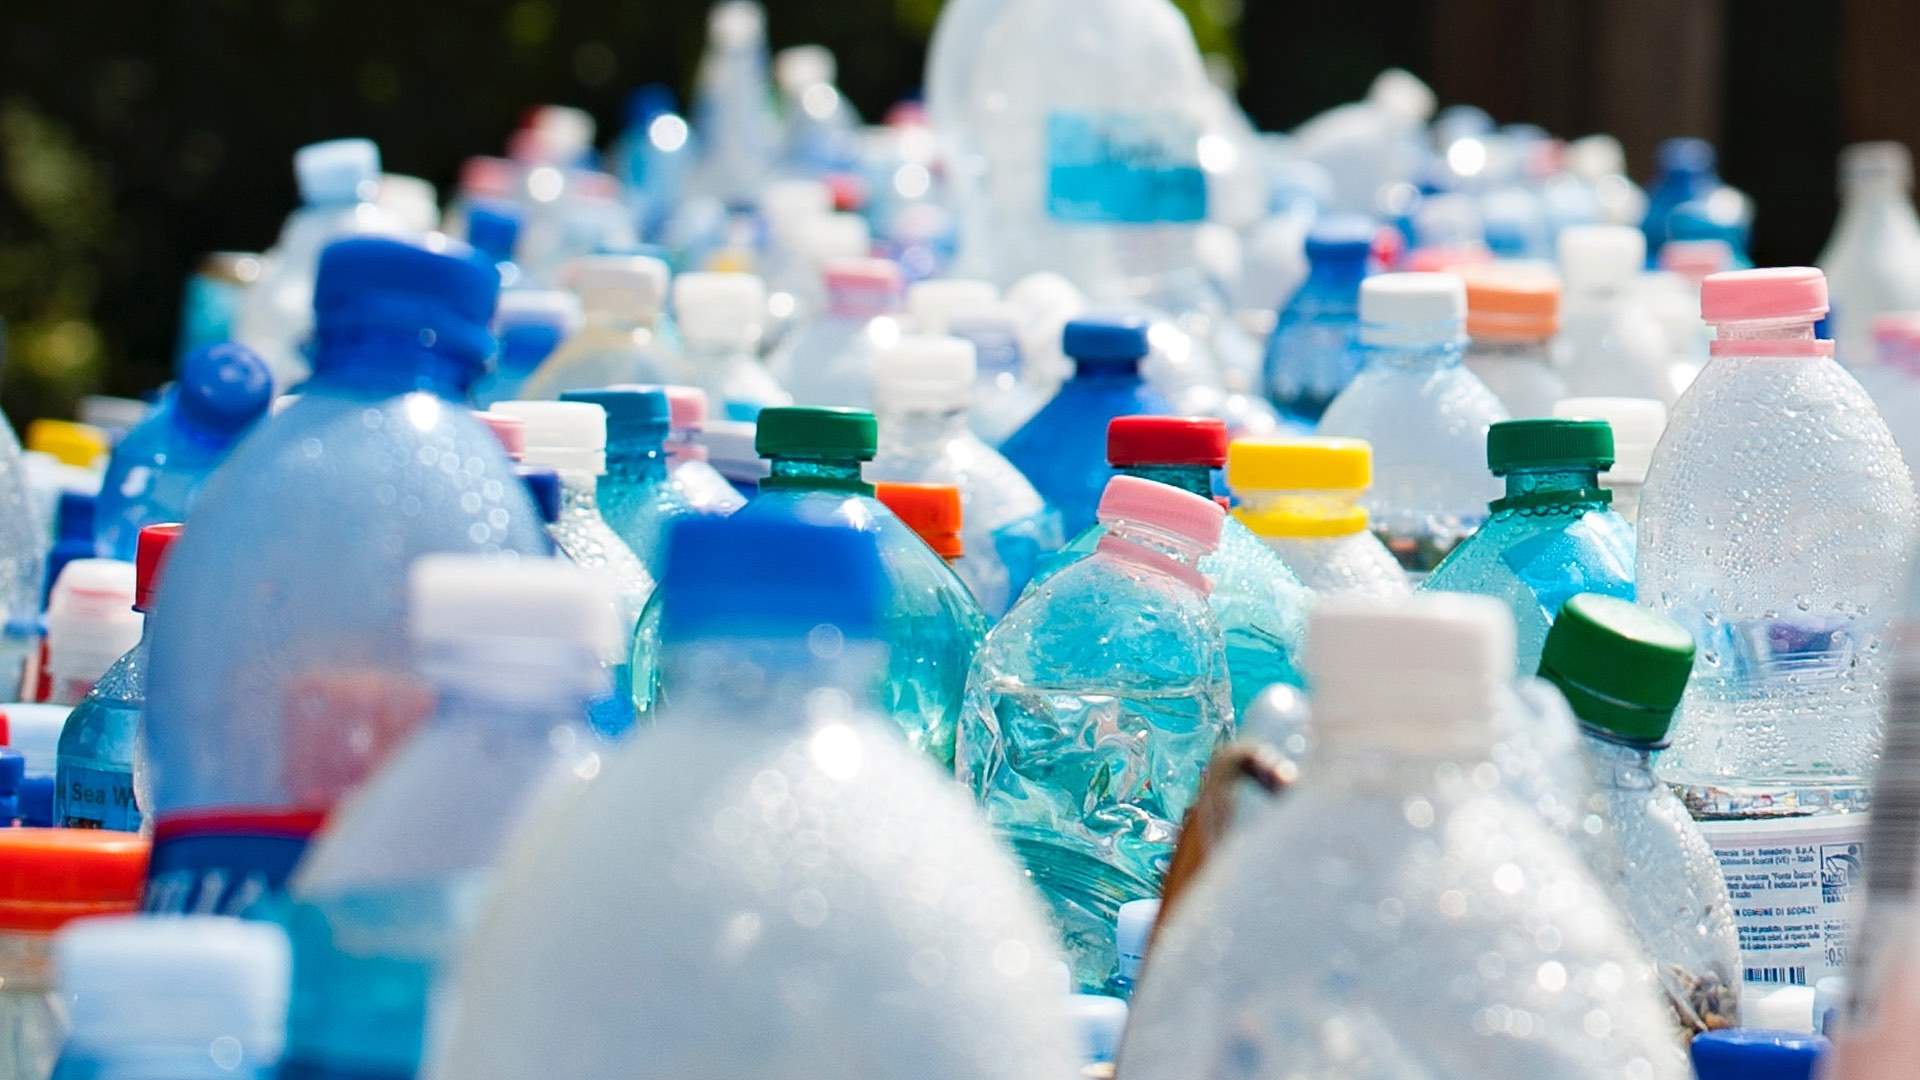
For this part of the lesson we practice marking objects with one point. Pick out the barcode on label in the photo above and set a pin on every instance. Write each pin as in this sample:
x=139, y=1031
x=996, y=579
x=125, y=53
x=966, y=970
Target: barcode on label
x=1791, y=976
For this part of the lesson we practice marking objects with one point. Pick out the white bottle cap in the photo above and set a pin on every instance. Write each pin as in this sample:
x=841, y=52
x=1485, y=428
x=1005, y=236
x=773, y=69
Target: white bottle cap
x=1886, y=162
x=1600, y=256
x=336, y=171
x=789, y=204
x=1787, y=1008
x=831, y=237
x=796, y=68
x=409, y=200
x=1402, y=93
x=621, y=286
x=90, y=618
x=1594, y=156
x=1412, y=310
x=1099, y=1021
x=538, y=307
x=1637, y=425
x=1132, y=930
x=1450, y=655
x=464, y=600
x=566, y=436
x=934, y=304
x=736, y=24
x=719, y=308
x=198, y=983
x=562, y=134
x=926, y=373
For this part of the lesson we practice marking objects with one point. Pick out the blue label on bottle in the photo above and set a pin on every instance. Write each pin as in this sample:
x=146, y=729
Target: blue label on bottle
x=224, y=862
x=95, y=798
x=1123, y=168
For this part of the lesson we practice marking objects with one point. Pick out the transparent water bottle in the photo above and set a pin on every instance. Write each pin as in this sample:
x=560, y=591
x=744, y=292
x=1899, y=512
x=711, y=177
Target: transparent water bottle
x=1430, y=924
x=1552, y=536
x=702, y=485
x=1425, y=415
x=1092, y=710
x=1774, y=527
x=1870, y=261
x=24, y=539
x=622, y=337
x=1512, y=317
x=1302, y=498
x=733, y=104
x=793, y=953
x=830, y=360
x=530, y=324
x=721, y=319
x=1313, y=353
x=278, y=658
x=1614, y=346
x=1004, y=397
x=637, y=498
x=1637, y=425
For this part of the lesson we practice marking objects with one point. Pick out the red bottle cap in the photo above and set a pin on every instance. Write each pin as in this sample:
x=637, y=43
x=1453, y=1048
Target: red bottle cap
x=49, y=877
x=931, y=510
x=1166, y=440
x=149, y=554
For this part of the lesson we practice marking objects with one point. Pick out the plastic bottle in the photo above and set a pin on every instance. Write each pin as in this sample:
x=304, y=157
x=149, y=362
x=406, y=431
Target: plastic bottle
x=1894, y=380
x=776, y=629
x=1623, y=670
x=530, y=324
x=157, y=471
x=34, y=730
x=1093, y=707
x=212, y=299
x=1613, y=344
x=1637, y=424
x=1512, y=317
x=93, y=780
x=1302, y=498
x=48, y=878
x=821, y=128
x=922, y=387
x=1758, y=1054
x=90, y=624
x=622, y=338
x=1132, y=930
x=1008, y=391
x=637, y=499
x=278, y=656
x=1425, y=415
x=1368, y=146
x=1551, y=536
x=1774, y=527
x=1686, y=174
x=73, y=536
x=1062, y=449
x=704, y=487
x=570, y=437
x=830, y=360
x=493, y=229
x=733, y=104
x=13, y=777
x=23, y=547
x=1870, y=261
x=388, y=891
x=721, y=317
x=1432, y=902
x=1313, y=353
x=195, y=996
x=729, y=446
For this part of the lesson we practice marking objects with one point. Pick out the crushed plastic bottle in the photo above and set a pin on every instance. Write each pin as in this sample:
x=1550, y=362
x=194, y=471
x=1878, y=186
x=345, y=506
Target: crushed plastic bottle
x=721, y=318
x=1512, y=317
x=1313, y=352
x=1302, y=497
x=637, y=498
x=622, y=336
x=1637, y=425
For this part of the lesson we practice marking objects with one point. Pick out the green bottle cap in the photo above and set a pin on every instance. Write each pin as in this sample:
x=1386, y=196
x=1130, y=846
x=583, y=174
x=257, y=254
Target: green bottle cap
x=817, y=434
x=1549, y=443
x=1622, y=668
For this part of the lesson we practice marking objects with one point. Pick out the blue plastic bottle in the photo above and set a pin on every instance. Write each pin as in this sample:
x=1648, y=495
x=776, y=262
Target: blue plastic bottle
x=279, y=660
x=1686, y=173
x=636, y=498
x=1062, y=450
x=493, y=228
x=530, y=324
x=93, y=776
x=1552, y=536
x=157, y=471
x=73, y=536
x=1312, y=354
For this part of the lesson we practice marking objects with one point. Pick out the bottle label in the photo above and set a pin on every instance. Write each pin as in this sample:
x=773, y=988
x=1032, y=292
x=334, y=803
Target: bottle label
x=1125, y=168
x=224, y=862
x=92, y=797
x=1793, y=882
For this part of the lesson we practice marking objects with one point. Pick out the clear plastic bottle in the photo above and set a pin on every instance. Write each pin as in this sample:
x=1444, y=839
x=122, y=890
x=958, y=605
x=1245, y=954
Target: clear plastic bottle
x=1895, y=380
x=1623, y=670
x=922, y=387
x=622, y=336
x=829, y=361
x=821, y=135
x=1092, y=710
x=278, y=654
x=637, y=497
x=24, y=538
x=1614, y=344
x=1313, y=353
x=1512, y=316
x=826, y=901
x=1004, y=397
x=1872, y=261
x=90, y=625
x=530, y=324
x=1553, y=534
x=93, y=778
x=1302, y=498
x=1637, y=425
x=1774, y=527
x=721, y=318
x=733, y=105
x=704, y=487
x=1366, y=147
x=156, y=471
x=1425, y=415
x=1687, y=173
x=1399, y=914
x=389, y=890
x=570, y=437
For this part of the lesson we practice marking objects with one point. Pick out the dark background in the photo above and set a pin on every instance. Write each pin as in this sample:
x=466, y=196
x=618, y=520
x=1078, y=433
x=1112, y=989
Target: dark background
x=135, y=136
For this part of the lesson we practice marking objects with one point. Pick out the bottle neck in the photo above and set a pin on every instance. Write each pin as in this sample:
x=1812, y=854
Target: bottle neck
x=1554, y=486
x=1197, y=479
x=636, y=461
x=1336, y=281
x=758, y=682
x=1107, y=371
x=1789, y=337
x=1153, y=549
x=579, y=491
x=684, y=445
x=921, y=424
x=377, y=366
x=1617, y=765
x=1415, y=358
x=796, y=474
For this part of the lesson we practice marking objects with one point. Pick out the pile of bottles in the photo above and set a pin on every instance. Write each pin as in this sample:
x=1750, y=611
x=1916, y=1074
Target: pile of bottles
x=1055, y=582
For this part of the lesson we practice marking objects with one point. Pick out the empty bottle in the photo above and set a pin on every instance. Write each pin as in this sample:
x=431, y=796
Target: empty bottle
x=156, y=471
x=721, y=317
x=1551, y=536
x=1774, y=527
x=733, y=105
x=702, y=485
x=1512, y=317
x=1425, y=415
x=934, y=513
x=212, y=299
x=1004, y=397
x=1391, y=888
x=1637, y=425
x=276, y=653
x=830, y=360
x=530, y=324
x=1623, y=670
x=493, y=228
x=1686, y=174
x=24, y=532
x=1313, y=353
x=1614, y=347
x=777, y=630
x=1092, y=710
x=822, y=129
x=90, y=624
x=1894, y=379
x=636, y=497
x=1870, y=261
x=622, y=336
x=1301, y=497
x=922, y=387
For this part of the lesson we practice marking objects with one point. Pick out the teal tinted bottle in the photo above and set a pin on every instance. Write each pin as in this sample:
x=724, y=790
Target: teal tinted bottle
x=636, y=498
x=1553, y=535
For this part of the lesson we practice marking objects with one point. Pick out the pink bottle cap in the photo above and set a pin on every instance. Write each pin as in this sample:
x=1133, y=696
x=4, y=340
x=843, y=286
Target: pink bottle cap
x=686, y=408
x=879, y=275
x=510, y=430
x=1784, y=293
x=1169, y=509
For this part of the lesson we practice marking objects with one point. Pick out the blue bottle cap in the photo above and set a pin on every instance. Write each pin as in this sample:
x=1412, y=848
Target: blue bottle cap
x=637, y=416
x=1100, y=1022
x=770, y=577
x=13, y=772
x=437, y=295
x=36, y=801
x=1341, y=237
x=74, y=516
x=1110, y=339
x=543, y=487
x=223, y=388
x=1686, y=155
x=493, y=228
x=1757, y=1054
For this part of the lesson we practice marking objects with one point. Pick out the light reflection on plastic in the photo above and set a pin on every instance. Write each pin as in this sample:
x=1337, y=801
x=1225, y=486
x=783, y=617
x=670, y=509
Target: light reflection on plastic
x=912, y=181
x=667, y=132
x=423, y=411
x=1466, y=157
x=1217, y=153
x=544, y=183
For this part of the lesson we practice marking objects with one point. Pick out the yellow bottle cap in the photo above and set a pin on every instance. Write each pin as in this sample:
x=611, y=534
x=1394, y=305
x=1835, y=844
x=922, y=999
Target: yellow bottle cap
x=1299, y=464
x=79, y=445
x=1296, y=525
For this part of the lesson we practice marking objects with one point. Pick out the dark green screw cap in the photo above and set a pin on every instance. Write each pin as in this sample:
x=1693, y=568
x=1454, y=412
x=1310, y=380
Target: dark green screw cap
x=817, y=434
x=1547, y=443
x=1622, y=668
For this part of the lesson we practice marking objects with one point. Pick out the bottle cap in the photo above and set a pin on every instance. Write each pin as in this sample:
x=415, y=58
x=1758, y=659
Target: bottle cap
x=437, y=295
x=925, y=373
x=1757, y=1054
x=934, y=304
x=1300, y=464
x=223, y=388
x=687, y=408
x=719, y=307
x=1341, y=238
x=79, y=445
x=1402, y=93
x=91, y=621
x=464, y=600
x=1132, y=931
x=821, y=434
x=736, y=24
x=1686, y=155
x=625, y=287
x=200, y=983
x=1510, y=305
x=876, y=277
x=1166, y=440
x=789, y=202
x=493, y=228
x=1695, y=259
x=554, y=308
x=49, y=877
x=149, y=559
x=409, y=200
x=1637, y=425
x=1412, y=311
x=1100, y=1021
x=1131, y=500
x=1541, y=443
x=1452, y=655
x=1601, y=256
x=932, y=511
x=829, y=239
x=543, y=487
x=1884, y=161
x=799, y=66
x=570, y=436
x=1112, y=340
x=13, y=772
x=1622, y=668
x=511, y=431
x=770, y=577
x=1782, y=292
x=336, y=171
x=638, y=417
x=564, y=133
